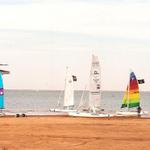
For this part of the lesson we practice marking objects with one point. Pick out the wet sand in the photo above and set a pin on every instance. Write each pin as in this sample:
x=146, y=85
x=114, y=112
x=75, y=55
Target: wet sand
x=67, y=133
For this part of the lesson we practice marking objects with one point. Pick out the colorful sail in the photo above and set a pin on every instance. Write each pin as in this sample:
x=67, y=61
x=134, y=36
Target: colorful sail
x=132, y=96
x=95, y=84
x=1, y=92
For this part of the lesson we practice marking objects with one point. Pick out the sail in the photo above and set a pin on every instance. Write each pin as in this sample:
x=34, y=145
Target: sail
x=132, y=96
x=1, y=92
x=95, y=84
x=69, y=90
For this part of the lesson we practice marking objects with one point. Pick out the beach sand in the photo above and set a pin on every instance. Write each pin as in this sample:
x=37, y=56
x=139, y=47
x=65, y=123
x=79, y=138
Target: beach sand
x=68, y=133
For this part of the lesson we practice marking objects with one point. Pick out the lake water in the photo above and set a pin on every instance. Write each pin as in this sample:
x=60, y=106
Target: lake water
x=44, y=100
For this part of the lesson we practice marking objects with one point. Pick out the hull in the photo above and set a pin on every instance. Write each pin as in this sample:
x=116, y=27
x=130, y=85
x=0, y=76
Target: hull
x=46, y=114
x=126, y=113
x=32, y=113
x=35, y=114
x=62, y=110
x=84, y=114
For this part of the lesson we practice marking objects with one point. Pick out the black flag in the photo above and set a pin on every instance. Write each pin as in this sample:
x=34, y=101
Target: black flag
x=4, y=71
x=74, y=78
x=141, y=81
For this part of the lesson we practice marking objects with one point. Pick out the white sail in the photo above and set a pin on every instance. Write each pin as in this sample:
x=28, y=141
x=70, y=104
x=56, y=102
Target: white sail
x=93, y=109
x=95, y=85
x=69, y=90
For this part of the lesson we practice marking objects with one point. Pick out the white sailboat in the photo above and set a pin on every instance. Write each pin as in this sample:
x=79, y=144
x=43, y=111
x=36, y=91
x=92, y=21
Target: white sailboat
x=93, y=109
x=95, y=86
x=69, y=91
x=68, y=104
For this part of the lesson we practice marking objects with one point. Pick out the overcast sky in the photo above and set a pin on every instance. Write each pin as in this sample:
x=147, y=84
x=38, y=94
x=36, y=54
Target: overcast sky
x=39, y=38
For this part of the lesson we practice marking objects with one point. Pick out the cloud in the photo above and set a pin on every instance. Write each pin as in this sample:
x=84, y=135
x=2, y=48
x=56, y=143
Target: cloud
x=92, y=1
x=129, y=21
x=44, y=41
x=10, y=2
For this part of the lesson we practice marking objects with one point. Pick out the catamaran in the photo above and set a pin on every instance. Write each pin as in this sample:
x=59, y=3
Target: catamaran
x=68, y=105
x=131, y=100
x=1, y=93
x=93, y=109
x=2, y=72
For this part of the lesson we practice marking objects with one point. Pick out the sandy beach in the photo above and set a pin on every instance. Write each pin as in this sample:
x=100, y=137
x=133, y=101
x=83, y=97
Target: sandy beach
x=67, y=133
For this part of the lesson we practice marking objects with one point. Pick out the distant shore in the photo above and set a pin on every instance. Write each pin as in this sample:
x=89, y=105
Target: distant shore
x=69, y=133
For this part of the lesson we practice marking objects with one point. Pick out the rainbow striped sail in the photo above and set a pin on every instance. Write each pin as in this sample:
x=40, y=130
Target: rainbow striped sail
x=132, y=96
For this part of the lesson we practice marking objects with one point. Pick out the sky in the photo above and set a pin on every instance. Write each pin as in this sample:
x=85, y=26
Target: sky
x=39, y=38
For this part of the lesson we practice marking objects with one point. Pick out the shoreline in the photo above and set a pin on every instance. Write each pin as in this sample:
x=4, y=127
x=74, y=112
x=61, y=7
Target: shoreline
x=61, y=116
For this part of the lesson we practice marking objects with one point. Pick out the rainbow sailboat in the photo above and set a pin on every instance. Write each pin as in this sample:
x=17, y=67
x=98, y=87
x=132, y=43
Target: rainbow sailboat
x=131, y=98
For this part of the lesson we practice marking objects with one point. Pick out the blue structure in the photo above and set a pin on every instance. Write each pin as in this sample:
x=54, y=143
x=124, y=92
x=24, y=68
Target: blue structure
x=1, y=92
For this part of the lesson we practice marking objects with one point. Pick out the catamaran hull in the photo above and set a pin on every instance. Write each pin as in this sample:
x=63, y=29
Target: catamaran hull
x=35, y=114
x=89, y=115
x=62, y=110
x=131, y=113
x=47, y=114
x=31, y=113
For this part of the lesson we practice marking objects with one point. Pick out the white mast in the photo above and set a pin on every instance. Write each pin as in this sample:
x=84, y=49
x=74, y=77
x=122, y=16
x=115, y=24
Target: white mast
x=69, y=90
x=82, y=101
x=95, y=85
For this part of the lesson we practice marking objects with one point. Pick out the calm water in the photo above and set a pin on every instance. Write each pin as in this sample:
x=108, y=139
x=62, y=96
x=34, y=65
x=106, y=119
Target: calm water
x=44, y=100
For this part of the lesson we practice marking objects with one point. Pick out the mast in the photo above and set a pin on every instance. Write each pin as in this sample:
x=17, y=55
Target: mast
x=82, y=101
x=60, y=95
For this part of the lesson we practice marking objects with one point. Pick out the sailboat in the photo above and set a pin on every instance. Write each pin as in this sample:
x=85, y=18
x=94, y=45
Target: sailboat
x=2, y=72
x=131, y=99
x=95, y=86
x=93, y=109
x=1, y=92
x=69, y=91
x=68, y=104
